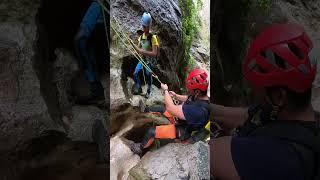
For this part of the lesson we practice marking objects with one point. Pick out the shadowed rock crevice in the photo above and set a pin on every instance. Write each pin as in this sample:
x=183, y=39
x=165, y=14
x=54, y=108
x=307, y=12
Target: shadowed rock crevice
x=39, y=75
x=57, y=66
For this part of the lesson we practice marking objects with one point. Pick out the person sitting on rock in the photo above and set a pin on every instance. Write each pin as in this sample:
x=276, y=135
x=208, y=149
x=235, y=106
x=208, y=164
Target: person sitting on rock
x=148, y=47
x=86, y=52
x=278, y=138
x=193, y=113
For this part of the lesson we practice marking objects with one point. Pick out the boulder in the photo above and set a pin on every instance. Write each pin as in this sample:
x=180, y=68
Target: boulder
x=23, y=110
x=121, y=159
x=174, y=161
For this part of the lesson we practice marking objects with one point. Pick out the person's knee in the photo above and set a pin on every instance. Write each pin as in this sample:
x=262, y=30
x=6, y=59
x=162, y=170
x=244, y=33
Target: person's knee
x=135, y=74
x=151, y=132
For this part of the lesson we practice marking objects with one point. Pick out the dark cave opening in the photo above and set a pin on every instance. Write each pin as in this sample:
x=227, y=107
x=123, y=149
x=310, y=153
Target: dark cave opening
x=57, y=23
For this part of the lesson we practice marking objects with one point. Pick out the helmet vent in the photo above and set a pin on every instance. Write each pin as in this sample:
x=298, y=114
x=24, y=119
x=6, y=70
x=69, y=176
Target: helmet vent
x=260, y=69
x=295, y=50
x=280, y=62
x=195, y=79
x=274, y=59
x=252, y=64
x=269, y=55
x=302, y=68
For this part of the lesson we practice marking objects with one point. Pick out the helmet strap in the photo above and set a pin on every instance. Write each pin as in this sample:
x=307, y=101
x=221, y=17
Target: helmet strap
x=195, y=94
x=273, y=109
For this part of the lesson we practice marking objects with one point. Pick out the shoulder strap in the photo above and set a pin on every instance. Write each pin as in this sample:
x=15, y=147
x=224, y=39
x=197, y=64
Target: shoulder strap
x=149, y=37
x=140, y=39
x=303, y=137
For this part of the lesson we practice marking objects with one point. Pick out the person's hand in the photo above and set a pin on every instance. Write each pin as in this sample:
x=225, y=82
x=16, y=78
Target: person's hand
x=164, y=86
x=138, y=50
x=172, y=93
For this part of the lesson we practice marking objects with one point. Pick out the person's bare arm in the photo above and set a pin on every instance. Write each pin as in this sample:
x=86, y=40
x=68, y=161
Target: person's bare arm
x=221, y=163
x=175, y=110
x=181, y=98
x=152, y=53
x=228, y=117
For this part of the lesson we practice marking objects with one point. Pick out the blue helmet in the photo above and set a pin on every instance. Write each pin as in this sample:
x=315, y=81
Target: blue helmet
x=146, y=19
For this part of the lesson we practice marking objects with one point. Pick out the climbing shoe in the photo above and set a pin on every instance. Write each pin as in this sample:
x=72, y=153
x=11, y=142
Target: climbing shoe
x=96, y=95
x=147, y=95
x=142, y=106
x=136, y=90
x=136, y=148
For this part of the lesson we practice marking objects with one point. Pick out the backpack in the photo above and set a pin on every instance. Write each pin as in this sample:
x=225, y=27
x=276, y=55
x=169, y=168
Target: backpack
x=149, y=38
x=304, y=137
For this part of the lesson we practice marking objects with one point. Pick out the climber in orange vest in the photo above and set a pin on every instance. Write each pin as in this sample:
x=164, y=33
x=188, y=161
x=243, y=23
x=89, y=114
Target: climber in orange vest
x=192, y=114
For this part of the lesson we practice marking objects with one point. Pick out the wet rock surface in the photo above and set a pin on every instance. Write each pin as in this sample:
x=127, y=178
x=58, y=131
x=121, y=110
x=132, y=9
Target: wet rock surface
x=174, y=161
x=121, y=159
x=52, y=155
x=23, y=110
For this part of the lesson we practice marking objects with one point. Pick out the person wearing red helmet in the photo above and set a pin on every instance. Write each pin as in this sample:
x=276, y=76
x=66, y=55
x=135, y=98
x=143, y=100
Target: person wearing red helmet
x=276, y=139
x=192, y=114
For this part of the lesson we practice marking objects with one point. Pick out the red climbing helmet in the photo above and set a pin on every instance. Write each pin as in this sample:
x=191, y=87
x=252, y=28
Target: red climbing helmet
x=279, y=56
x=197, y=79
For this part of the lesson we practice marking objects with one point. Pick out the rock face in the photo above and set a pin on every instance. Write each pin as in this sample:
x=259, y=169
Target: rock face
x=53, y=156
x=37, y=69
x=81, y=124
x=166, y=24
x=174, y=161
x=23, y=110
x=65, y=69
x=121, y=159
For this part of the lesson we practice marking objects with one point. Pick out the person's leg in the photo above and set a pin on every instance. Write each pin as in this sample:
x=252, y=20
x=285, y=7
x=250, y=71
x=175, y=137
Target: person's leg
x=158, y=132
x=155, y=108
x=87, y=62
x=81, y=42
x=96, y=87
x=137, y=86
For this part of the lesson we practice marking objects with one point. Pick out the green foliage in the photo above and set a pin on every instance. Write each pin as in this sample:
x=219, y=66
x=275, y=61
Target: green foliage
x=190, y=27
x=260, y=5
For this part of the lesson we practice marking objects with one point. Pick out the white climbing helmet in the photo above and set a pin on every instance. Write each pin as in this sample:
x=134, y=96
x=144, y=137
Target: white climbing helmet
x=146, y=19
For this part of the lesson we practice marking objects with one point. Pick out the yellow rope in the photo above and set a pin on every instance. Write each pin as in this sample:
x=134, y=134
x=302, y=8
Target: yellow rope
x=122, y=35
x=131, y=48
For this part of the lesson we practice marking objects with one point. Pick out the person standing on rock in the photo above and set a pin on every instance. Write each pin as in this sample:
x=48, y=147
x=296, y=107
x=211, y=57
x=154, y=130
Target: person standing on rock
x=279, y=137
x=148, y=47
x=86, y=52
x=193, y=113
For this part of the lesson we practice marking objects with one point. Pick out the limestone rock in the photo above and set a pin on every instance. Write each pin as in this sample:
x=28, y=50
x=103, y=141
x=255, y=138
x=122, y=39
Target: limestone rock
x=174, y=161
x=23, y=110
x=121, y=159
